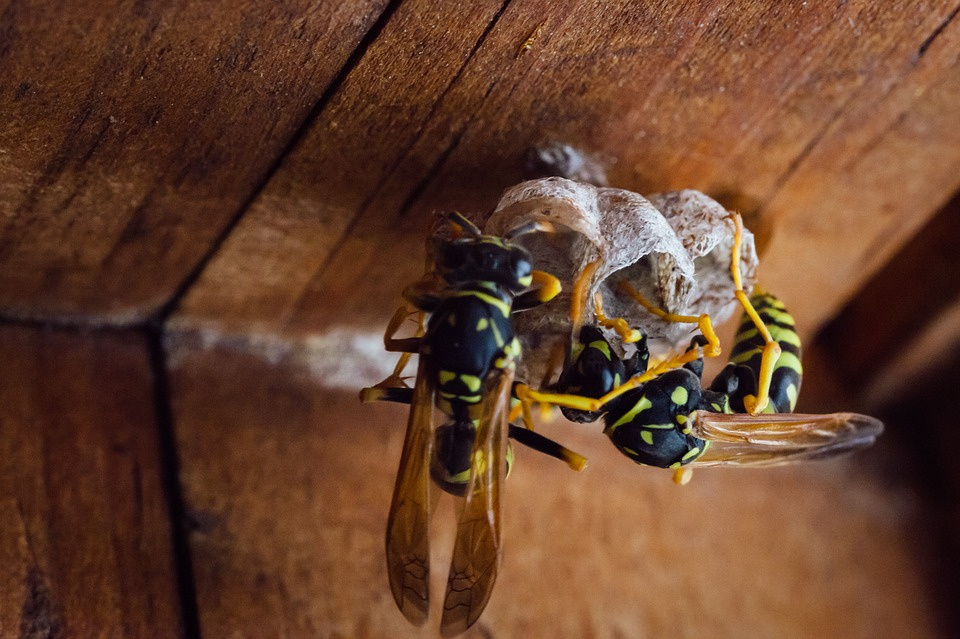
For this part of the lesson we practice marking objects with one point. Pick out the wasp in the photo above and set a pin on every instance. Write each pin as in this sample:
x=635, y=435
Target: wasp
x=467, y=357
x=664, y=417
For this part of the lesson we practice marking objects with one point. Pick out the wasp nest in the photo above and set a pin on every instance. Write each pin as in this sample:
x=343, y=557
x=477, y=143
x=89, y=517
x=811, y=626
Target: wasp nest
x=674, y=248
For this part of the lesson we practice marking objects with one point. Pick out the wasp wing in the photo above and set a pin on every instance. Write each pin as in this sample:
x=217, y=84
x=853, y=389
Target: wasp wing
x=781, y=438
x=478, y=547
x=408, y=549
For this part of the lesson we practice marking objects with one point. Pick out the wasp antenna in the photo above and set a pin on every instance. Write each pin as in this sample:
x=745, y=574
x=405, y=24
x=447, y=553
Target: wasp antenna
x=462, y=224
x=530, y=227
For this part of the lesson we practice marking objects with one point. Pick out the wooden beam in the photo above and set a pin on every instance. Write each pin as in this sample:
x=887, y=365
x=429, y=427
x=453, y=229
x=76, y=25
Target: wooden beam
x=880, y=170
x=799, y=109
x=134, y=133
x=905, y=319
x=85, y=539
x=289, y=486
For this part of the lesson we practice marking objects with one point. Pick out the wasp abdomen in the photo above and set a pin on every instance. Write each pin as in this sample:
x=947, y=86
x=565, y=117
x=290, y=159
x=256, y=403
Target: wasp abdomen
x=739, y=378
x=452, y=459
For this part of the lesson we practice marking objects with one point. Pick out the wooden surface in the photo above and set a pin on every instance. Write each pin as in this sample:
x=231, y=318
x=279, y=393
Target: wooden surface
x=85, y=535
x=919, y=294
x=660, y=94
x=290, y=515
x=134, y=133
x=250, y=185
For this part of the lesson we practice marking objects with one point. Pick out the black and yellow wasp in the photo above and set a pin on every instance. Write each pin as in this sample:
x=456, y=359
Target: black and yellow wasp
x=664, y=417
x=468, y=354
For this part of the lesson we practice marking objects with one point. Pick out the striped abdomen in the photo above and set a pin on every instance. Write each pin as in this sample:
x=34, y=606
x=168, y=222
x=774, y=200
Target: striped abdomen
x=739, y=378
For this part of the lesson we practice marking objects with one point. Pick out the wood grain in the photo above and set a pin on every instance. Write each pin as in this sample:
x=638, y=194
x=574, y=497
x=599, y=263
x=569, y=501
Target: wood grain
x=291, y=508
x=134, y=132
x=85, y=540
x=751, y=102
x=881, y=170
x=800, y=109
x=363, y=142
x=906, y=319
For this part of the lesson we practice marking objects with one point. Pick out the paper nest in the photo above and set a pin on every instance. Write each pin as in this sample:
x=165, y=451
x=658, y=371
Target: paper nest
x=675, y=248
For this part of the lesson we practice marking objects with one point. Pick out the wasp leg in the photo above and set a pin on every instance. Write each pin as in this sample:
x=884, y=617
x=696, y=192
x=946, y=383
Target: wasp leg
x=424, y=295
x=682, y=475
x=391, y=389
x=528, y=396
x=578, y=306
x=619, y=325
x=547, y=446
x=398, y=394
x=406, y=346
x=710, y=349
x=554, y=364
x=578, y=302
x=545, y=288
x=554, y=368
x=771, y=351
x=396, y=377
x=524, y=436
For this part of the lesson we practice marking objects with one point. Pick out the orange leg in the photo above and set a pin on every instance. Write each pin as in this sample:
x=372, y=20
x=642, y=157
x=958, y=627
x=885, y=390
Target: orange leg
x=712, y=348
x=771, y=350
x=619, y=325
x=578, y=302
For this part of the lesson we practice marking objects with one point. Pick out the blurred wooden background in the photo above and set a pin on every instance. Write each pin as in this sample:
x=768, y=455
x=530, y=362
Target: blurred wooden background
x=207, y=213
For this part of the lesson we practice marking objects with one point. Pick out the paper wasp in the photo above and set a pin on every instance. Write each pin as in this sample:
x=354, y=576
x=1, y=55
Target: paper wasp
x=664, y=417
x=466, y=368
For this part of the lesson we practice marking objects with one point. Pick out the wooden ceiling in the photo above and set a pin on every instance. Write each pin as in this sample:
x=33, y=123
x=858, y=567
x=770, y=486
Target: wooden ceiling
x=239, y=191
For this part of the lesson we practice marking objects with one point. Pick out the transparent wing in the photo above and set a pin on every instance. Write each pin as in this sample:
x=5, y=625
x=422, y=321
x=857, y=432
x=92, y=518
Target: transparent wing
x=781, y=438
x=478, y=548
x=408, y=548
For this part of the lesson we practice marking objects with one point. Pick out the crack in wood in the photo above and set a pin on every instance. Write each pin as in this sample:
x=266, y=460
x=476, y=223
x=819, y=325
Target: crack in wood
x=40, y=615
x=423, y=183
x=172, y=489
x=808, y=149
x=421, y=186
x=805, y=152
x=166, y=309
x=925, y=45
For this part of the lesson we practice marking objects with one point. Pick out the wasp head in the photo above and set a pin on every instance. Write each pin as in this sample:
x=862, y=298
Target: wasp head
x=475, y=257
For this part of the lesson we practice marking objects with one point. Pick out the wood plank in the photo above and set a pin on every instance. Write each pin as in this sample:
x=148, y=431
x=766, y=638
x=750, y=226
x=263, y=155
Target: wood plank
x=398, y=88
x=837, y=101
x=934, y=347
x=289, y=486
x=881, y=170
x=921, y=422
x=133, y=133
x=905, y=318
x=85, y=540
